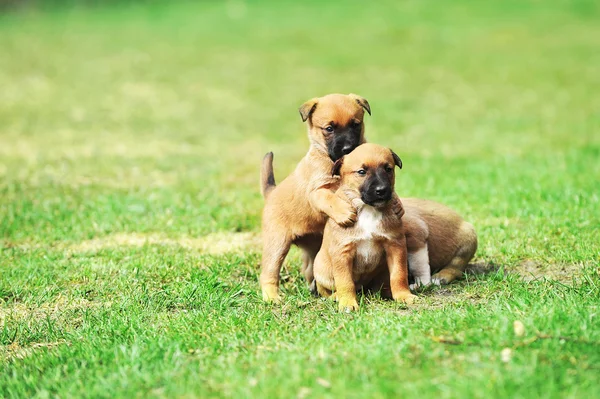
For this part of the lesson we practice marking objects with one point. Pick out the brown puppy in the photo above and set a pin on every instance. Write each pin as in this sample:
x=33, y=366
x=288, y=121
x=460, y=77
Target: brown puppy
x=438, y=241
x=353, y=257
x=296, y=210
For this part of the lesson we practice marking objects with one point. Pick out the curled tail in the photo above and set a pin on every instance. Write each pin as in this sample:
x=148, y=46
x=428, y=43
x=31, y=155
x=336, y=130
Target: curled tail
x=267, y=179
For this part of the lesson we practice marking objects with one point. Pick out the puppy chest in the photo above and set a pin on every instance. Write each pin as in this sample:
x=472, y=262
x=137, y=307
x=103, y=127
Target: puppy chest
x=369, y=241
x=369, y=222
x=369, y=254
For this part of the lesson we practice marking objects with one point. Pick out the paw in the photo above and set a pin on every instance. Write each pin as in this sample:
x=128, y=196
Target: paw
x=406, y=297
x=409, y=300
x=313, y=288
x=346, y=217
x=421, y=282
x=347, y=304
x=270, y=294
x=439, y=279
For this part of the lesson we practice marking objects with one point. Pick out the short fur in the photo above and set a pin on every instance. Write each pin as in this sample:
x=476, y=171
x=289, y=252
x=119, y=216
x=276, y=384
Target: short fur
x=447, y=238
x=296, y=210
x=353, y=257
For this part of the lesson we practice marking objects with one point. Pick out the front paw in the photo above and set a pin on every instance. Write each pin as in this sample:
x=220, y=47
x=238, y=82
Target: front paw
x=421, y=282
x=347, y=304
x=345, y=217
x=406, y=297
x=270, y=294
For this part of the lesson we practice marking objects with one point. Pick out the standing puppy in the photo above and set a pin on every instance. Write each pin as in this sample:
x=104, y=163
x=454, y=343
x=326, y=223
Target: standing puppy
x=296, y=210
x=355, y=257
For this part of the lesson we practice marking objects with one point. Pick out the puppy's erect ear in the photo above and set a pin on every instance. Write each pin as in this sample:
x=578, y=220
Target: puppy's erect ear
x=335, y=171
x=397, y=159
x=308, y=108
x=362, y=102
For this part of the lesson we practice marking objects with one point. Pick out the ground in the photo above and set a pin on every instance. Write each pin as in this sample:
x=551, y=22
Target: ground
x=130, y=143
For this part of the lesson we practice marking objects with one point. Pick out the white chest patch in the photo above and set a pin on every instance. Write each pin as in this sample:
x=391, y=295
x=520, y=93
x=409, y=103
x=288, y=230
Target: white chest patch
x=368, y=251
x=369, y=221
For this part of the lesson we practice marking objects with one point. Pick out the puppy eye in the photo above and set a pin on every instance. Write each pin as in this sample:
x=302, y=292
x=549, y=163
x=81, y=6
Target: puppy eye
x=329, y=129
x=361, y=172
x=356, y=123
x=388, y=169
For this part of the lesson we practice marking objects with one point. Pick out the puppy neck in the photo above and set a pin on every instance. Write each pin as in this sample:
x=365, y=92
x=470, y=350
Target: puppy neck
x=316, y=150
x=315, y=145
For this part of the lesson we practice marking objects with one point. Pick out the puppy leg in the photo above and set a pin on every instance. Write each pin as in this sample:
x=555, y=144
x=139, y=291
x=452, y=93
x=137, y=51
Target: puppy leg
x=463, y=255
x=398, y=267
x=323, y=275
x=455, y=269
x=310, y=247
x=418, y=264
x=275, y=248
x=345, y=289
x=323, y=291
x=342, y=212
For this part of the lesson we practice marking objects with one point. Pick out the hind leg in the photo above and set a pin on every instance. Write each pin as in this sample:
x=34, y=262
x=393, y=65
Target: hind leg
x=463, y=255
x=276, y=245
x=323, y=291
x=310, y=247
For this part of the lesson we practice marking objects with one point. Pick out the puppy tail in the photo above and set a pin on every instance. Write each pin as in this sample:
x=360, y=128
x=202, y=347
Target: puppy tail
x=267, y=178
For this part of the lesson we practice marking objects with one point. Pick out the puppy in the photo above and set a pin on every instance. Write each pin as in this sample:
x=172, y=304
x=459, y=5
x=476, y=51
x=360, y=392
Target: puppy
x=438, y=241
x=296, y=210
x=356, y=257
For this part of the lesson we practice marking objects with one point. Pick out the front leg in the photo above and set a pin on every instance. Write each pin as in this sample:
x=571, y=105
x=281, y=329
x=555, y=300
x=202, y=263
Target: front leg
x=396, y=259
x=345, y=289
x=325, y=200
x=418, y=264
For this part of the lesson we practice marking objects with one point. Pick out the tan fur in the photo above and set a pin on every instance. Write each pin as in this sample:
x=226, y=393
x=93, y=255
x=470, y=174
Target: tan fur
x=296, y=210
x=451, y=242
x=354, y=257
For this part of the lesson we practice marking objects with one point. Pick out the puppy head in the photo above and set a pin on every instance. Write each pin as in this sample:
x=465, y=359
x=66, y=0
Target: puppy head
x=368, y=171
x=335, y=122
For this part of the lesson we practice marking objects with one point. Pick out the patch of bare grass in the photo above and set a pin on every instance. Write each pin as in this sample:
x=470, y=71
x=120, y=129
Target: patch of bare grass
x=16, y=351
x=213, y=244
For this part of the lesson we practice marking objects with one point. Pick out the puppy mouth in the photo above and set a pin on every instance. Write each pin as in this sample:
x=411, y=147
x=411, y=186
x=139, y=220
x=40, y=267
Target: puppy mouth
x=376, y=202
x=339, y=148
x=337, y=153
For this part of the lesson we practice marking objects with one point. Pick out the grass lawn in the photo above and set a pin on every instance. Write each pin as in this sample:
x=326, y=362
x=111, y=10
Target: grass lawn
x=130, y=144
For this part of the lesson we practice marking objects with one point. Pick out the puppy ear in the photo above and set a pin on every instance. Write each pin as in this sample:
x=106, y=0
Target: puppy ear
x=397, y=159
x=335, y=171
x=362, y=102
x=308, y=108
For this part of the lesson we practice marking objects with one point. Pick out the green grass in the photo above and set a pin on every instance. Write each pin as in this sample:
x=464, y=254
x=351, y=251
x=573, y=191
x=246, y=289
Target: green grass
x=130, y=142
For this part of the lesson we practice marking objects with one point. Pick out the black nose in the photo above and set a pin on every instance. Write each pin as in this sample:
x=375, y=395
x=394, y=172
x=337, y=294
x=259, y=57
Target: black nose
x=347, y=149
x=382, y=191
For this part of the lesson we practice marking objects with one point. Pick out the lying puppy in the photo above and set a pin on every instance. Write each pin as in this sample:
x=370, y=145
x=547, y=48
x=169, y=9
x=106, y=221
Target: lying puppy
x=296, y=210
x=357, y=257
x=438, y=241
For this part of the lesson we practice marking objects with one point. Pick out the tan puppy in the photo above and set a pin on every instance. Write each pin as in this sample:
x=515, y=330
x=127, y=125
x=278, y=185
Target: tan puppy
x=438, y=241
x=296, y=210
x=354, y=257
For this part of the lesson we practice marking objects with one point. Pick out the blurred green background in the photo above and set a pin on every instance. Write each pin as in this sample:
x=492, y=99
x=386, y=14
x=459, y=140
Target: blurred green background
x=131, y=135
